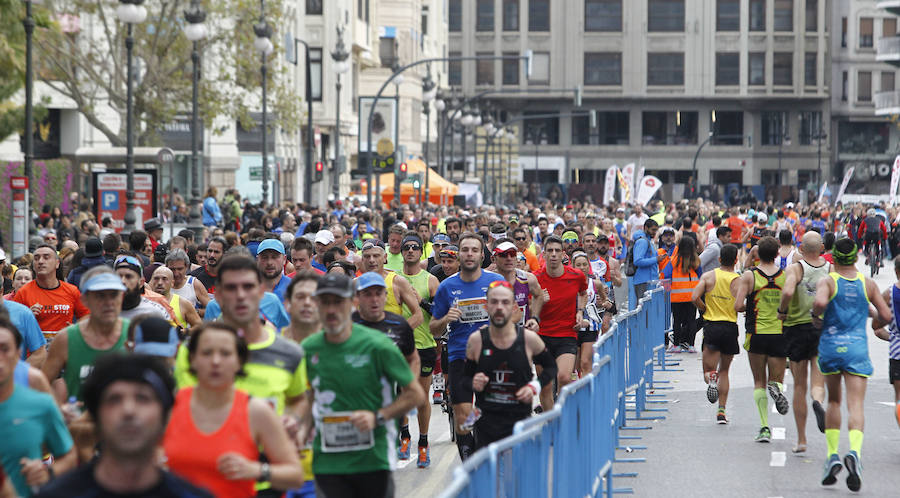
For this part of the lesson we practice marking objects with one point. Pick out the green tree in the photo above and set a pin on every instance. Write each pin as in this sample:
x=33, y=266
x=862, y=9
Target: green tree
x=88, y=65
x=12, y=63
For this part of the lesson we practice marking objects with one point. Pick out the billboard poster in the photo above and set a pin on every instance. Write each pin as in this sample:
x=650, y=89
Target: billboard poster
x=383, y=122
x=110, y=199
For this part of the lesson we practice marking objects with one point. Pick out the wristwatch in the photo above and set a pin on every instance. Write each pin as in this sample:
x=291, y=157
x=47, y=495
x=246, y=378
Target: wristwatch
x=379, y=419
x=265, y=473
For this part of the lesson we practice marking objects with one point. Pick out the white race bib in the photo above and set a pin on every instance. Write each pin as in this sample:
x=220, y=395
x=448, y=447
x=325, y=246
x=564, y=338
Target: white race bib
x=473, y=309
x=338, y=434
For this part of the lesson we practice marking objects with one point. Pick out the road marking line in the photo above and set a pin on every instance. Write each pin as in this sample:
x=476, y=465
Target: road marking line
x=774, y=410
x=778, y=432
x=778, y=459
x=887, y=403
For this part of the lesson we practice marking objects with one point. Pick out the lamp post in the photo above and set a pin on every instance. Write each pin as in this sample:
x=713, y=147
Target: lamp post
x=439, y=105
x=195, y=31
x=29, y=102
x=429, y=92
x=307, y=184
x=339, y=56
x=263, y=45
x=130, y=12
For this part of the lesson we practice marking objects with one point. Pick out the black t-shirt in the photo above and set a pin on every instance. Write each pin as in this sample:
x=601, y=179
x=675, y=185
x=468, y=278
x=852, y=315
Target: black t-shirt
x=394, y=326
x=205, y=278
x=80, y=483
x=438, y=271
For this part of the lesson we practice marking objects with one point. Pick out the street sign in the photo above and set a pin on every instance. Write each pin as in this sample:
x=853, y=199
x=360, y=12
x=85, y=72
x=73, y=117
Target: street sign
x=165, y=156
x=256, y=173
x=19, y=186
x=110, y=191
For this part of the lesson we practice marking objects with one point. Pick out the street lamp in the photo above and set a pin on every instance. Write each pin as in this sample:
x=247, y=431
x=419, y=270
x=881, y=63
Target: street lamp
x=263, y=45
x=429, y=92
x=29, y=103
x=307, y=185
x=341, y=66
x=195, y=31
x=130, y=12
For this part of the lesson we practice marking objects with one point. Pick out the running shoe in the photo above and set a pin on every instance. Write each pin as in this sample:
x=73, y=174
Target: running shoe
x=424, y=457
x=673, y=349
x=720, y=417
x=437, y=398
x=781, y=401
x=764, y=436
x=403, y=450
x=819, y=411
x=832, y=469
x=690, y=348
x=712, y=388
x=854, y=468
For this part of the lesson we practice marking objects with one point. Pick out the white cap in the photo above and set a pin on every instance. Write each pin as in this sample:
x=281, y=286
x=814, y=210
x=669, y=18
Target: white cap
x=324, y=237
x=762, y=217
x=789, y=205
x=2, y=254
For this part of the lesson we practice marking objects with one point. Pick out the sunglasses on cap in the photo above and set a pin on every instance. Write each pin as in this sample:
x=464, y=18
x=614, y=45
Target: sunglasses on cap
x=571, y=241
x=412, y=247
x=500, y=283
x=449, y=254
x=131, y=260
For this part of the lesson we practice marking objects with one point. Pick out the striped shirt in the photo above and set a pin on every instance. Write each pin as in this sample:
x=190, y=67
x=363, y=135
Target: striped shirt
x=894, y=348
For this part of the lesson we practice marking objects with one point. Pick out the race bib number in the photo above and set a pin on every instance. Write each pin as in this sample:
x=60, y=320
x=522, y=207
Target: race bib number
x=338, y=434
x=473, y=310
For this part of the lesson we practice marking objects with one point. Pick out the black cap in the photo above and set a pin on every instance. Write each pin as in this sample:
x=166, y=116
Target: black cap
x=93, y=248
x=338, y=284
x=152, y=224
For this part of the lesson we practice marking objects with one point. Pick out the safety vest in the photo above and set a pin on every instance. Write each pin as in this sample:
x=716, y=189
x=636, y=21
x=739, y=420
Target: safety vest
x=683, y=284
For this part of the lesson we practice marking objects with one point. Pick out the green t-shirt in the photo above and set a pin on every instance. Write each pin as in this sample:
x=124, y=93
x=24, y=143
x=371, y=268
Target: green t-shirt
x=273, y=370
x=358, y=374
x=81, y=357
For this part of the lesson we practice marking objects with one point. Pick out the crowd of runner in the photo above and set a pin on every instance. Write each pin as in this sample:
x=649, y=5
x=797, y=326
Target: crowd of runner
x=282, y=351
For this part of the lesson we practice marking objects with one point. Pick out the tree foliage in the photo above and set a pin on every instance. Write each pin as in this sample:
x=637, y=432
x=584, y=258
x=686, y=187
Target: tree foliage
x=12, y=62
x=89, y=65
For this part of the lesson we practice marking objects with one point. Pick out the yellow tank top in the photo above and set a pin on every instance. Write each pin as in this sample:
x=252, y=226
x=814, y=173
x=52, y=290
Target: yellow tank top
x=720, y=301
x=178, y=317
x=391, y=305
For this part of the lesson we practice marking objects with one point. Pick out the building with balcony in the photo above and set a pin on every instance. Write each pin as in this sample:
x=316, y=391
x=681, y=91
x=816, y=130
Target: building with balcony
x=751, y=77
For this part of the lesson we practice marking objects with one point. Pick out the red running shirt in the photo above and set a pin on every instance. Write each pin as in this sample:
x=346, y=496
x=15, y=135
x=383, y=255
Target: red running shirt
x=558, y=314
x=192, y=454
x=60, y=307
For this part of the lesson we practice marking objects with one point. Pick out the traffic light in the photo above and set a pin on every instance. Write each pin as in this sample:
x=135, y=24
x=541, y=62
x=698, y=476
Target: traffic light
x=402, y=171
x=317, y=176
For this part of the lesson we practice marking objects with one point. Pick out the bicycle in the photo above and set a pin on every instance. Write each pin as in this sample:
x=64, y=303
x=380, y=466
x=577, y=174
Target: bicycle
x=874, y=258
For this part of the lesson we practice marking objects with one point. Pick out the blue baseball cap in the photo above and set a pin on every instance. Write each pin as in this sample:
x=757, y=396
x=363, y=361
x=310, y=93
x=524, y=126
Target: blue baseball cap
x=102, y=282
x=270, y=244
x=370, y=279
x=156, y=337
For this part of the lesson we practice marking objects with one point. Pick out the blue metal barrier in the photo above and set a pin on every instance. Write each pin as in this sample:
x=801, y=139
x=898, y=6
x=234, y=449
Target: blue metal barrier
x=578, y=438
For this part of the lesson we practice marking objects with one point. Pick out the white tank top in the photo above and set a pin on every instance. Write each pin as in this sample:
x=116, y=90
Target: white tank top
x=187, y=291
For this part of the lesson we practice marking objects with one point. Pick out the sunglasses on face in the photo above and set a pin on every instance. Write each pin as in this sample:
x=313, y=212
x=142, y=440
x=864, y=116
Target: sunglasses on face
x=412, y=247
x=570, y=241
x=520, y=239
x=507, y=254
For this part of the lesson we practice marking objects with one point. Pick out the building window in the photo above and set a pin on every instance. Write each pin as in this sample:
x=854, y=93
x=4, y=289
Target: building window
x=669, y=128
x=362, y=10
x=864, y=86
x=728, y=15
x=844, y=86
x=774, y=127
x=454, y=15
x=887, y=81
x=757, y=15
x=665, y=15
x=812, y=15
x=612, y=128
x=889, y=27
x=728, y=68
x=602, y=68
x=727, y=127
x=757, y=73
x=603, y=15
x=315, y=73
x=784, y=15
x=810, y=127
x=314, y=7
x=538, y=15
x=510, y=15
x=865, y=32
x=581, y=131
x=809, y=69
x=510, y=69
x=484, y=15
x=783, y=68
x=540, y=73
x=540, y=131
x=387, y=51
x=863, y=138
x=665, y=68
x=454, y=70
x=484, y=69
x=424, y=19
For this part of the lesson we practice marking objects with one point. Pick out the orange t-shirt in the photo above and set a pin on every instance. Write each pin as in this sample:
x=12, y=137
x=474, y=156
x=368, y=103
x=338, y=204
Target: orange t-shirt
x=61, y=306
x=531, y=260
x=737, y=228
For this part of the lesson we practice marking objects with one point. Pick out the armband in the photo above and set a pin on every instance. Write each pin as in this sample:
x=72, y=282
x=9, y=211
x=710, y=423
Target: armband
x=425, y=305
x=535, y=386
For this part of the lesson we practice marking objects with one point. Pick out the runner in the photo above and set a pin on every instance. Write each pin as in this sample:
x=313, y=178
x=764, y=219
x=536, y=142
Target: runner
x=714, y=297
x=208, y=273
x=55, y=303
x=561, y=316
x=597, y=303
x=758, y=294
x=183, y=314
x=188, y=287
x=607, y=269
x=271, y=260
x=528, y=293
x=135, y=303
x=34, y=344
x=892, y=297
x=349, y=366
x=844, y=354
x=460, y=304
x=449, y=263
x=498, y=367
x=872, y=230
x=299, y=303
x=399, y=291
x=802, y=337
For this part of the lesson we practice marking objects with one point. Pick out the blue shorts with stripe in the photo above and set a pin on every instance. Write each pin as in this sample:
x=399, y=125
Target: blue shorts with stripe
x=850, y=358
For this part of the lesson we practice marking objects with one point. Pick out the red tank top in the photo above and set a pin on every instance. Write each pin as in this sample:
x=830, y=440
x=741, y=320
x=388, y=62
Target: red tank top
x=192, y=454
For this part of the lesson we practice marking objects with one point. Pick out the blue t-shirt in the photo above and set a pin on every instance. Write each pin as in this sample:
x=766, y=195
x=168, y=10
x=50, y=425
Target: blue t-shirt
x=318, y=266
x=270, y=308
x=24, y=320
x=471, y=297
x=281, y=288
x=29, y=419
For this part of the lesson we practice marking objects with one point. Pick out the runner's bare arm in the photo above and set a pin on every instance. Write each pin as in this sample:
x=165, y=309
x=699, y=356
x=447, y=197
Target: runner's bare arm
x=57, y=357
x=884, y=312
x=410, y=298
x=190, y=314
x=537, y=295
x=700, y=290
x=202, y=294
x=280, y=453
x=305, y=419
x=614, y=272
x=37, y=357
x=787, y=292
x=823, y=295
x=745, y=283
x=439, y=325
x=877, y=323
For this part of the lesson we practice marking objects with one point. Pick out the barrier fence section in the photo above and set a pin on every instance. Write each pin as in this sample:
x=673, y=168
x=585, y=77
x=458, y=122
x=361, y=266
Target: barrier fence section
x=569, y=451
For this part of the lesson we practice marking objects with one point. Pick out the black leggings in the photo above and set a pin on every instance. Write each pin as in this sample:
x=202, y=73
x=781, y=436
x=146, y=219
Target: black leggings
x=377, y=484
x=684, y=320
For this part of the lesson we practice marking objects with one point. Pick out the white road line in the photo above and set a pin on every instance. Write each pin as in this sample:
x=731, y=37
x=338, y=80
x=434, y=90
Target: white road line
x=778, y=459
x=778, y=432
x=774, y=410
x=887, y=403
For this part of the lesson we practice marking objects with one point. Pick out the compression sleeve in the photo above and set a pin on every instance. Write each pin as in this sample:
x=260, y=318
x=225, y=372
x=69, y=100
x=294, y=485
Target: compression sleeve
x=470, y=368
x=546, y=361
x=425, y=304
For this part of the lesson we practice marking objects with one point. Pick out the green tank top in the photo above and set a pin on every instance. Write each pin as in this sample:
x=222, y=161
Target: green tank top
x=419, y=281
x=763, y=303
x=82, y=357
x=805, y=294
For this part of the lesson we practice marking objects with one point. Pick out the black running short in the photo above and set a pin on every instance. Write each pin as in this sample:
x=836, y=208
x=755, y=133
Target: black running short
x=379, y=483
x=802, y=341
x=587, y=336
x=459, y=392
x=492, y=427
x=558, y=346
x=774, y=345
x=721, y=337
x=428, y=358
x=894, y=371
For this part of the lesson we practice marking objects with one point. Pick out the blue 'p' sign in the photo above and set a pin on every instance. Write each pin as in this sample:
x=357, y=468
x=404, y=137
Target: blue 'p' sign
x=110, y=201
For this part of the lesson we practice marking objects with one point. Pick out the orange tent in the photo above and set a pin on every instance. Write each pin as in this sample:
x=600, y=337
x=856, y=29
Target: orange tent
x=440, y=190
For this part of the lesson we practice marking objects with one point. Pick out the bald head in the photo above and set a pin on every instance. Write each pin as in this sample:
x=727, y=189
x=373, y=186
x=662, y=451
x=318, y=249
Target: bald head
x=161, y=281
x=811, y=244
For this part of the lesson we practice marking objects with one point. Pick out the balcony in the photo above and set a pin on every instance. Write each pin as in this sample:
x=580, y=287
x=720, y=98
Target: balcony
x=889, y=50
x=887, y=103
x=892, y=6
